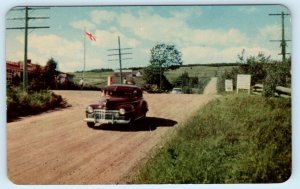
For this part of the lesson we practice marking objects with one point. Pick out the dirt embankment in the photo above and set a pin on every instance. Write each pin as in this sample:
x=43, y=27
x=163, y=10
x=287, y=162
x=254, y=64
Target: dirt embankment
x=58, y=148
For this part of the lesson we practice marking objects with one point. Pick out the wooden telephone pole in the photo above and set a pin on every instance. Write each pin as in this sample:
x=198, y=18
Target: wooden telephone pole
x=26, y=27
x=119, y=54
x=283, y=40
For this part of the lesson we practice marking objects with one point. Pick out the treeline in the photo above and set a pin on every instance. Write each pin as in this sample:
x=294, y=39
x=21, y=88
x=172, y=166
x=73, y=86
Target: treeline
x=98, y=70
x=212, y=64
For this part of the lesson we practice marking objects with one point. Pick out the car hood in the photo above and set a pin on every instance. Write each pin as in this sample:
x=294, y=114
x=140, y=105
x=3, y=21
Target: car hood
x=109, y=102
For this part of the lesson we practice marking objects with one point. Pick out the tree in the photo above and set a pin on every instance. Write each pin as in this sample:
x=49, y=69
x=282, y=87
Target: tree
x=254, y=65
x=36, y=79
x=164, y=57
x=50, y=73
x=152, y=76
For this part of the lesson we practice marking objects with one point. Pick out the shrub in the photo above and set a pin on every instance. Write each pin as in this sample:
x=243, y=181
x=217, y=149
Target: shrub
x=21, y=103
x=278, y=74
x=262, y=70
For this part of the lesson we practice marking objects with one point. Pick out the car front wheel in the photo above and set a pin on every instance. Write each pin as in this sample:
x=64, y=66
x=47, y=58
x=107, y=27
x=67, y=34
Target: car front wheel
x=90, y=124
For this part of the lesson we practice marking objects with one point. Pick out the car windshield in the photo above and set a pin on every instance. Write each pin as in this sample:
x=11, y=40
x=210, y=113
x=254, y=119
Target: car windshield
x=118, y=94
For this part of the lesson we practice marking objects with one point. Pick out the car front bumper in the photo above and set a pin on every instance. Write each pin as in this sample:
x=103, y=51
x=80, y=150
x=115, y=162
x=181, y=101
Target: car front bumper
x=106, y=117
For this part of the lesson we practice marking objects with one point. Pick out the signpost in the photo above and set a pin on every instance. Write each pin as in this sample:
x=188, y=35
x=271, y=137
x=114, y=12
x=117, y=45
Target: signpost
x=243, y=82
x=228, y=85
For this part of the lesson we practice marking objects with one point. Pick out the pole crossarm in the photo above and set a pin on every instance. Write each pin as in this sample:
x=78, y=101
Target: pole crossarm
x=283, y=41
x=119, y=54
x=279, y=40
x=41, y=17
x=26, y=27
x=118, y=49
x=122, y=59
x=37, y=27
x=279, y=14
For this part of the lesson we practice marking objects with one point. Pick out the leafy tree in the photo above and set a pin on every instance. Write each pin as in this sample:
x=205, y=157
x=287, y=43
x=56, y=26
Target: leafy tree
x=278, y=74
x=152, y=76
x=36, y=79
x=164, y=57
x=50, y=73
x=254, y=65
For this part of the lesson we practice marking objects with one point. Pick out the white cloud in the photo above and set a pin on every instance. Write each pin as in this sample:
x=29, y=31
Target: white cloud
x=153, y=27
x=42, y=47
x=270, y=32
x=196, y=54
x=219, y=37
x=99, y=16
x=248, y=9
x=83, y=24
x=109, y=40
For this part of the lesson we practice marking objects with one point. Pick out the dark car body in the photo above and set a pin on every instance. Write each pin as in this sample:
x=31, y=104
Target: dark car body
x=119, y=104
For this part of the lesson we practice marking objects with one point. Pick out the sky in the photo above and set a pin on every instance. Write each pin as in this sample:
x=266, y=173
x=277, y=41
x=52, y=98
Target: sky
x=203, y=34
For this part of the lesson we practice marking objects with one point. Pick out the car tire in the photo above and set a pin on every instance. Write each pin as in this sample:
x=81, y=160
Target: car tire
x=90, y=124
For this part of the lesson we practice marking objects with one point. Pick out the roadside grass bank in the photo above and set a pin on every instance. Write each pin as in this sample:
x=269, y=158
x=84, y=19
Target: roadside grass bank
x=21, y=103
x=233, y=139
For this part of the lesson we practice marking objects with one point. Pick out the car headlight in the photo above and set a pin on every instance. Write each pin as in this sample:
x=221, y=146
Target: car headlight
x=122, y=111
x=89, y=109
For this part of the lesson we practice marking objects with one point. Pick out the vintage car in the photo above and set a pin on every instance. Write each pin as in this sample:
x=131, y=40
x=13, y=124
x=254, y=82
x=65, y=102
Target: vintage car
x=176, y=91
x=119, y=104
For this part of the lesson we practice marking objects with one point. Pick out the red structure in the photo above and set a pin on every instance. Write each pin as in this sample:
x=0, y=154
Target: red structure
x=16, y=69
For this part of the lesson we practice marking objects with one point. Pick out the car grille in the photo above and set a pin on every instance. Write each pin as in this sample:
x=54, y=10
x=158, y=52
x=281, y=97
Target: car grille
x=108, y=115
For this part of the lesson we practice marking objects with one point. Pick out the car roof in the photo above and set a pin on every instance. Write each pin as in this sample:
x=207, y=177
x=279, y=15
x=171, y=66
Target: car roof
x=121, y=87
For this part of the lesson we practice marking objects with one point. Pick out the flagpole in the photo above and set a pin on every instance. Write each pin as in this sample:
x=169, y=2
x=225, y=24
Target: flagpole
x=84, y=39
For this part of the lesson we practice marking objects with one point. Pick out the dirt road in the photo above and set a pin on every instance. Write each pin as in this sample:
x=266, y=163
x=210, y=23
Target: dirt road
x=58, y=148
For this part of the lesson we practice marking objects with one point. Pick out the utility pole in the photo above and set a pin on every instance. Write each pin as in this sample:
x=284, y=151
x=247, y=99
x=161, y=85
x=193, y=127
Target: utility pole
x=84, y=46
x=283, y=40
x=119, y=54
x=26, y=27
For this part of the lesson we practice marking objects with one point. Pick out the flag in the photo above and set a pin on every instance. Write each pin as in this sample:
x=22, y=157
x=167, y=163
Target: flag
x=90, y=36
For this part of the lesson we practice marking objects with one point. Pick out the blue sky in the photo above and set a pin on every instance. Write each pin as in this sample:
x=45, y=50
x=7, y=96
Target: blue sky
x=204, y=34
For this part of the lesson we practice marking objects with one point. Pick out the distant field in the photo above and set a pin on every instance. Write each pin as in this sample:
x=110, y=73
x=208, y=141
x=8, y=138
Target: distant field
x=95, y=79
x=99, y=79
x=197, y=71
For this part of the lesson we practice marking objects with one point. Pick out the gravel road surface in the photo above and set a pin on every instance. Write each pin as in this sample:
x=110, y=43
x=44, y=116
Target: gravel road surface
x=57, y=147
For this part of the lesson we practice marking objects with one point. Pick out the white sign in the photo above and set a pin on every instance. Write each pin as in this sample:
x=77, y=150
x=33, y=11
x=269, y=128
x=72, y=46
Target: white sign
x=243, y=82
x=228, y=85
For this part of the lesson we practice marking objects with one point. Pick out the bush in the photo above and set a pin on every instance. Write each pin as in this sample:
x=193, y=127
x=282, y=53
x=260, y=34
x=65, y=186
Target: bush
x=152, y=77
x=191, y=85
x=262, y=70
x=20, y=103
x=278, y=74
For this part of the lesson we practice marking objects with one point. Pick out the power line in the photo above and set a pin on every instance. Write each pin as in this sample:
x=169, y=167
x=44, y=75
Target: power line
x=26, y=18
x=119, y=54
x=283, y=40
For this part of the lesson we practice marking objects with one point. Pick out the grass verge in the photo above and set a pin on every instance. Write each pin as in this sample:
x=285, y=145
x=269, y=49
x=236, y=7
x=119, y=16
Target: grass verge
x=234, y=139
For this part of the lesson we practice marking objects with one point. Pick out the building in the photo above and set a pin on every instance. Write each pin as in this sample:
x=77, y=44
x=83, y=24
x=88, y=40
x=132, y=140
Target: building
x=15, y=69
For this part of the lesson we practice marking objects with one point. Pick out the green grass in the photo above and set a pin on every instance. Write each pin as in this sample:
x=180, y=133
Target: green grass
x=197, y=71
x=234, y=139
x=93, y=79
